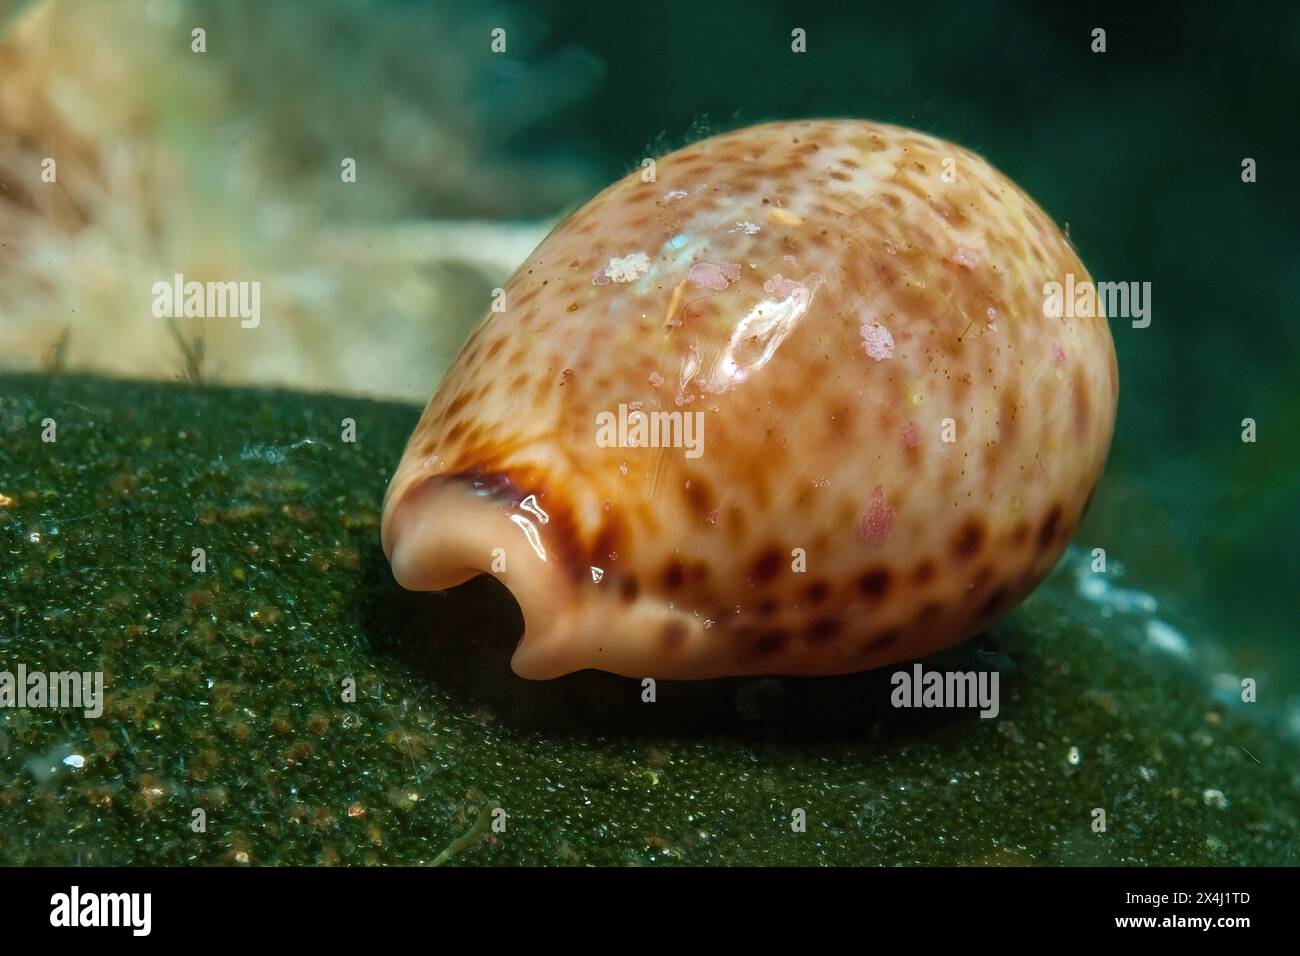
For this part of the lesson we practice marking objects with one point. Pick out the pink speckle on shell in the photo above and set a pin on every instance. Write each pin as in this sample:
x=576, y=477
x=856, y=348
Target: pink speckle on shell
x=656, y=379
x=1058, y=353
x=876, y=341
x=966, y=258
x=912, y=435
x=708, y=275
x=781, y=287
x=600, y=277
x=876, y=524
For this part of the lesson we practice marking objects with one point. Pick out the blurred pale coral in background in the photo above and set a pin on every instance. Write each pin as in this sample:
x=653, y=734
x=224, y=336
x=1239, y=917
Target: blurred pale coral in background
x=225, y=166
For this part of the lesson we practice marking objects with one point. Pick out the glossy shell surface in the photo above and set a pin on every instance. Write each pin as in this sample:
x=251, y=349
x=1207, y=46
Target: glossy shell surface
x=882, y=442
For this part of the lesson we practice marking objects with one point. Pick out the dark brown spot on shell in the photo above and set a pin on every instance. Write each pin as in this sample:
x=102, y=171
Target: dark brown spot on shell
x=1047, y=533
x=674, y=575
x=736, y=522
x=817, y=591
x=629, y=589
x=741, y=632
x=698, y=496
x=874, y=584
x=766, y=567
x=1081, y=403
x=1007, y=415
x=674, y=633
x=968, y=540
x=457, y=403
x=772, y=641
x=923, y=574
x=824, y=629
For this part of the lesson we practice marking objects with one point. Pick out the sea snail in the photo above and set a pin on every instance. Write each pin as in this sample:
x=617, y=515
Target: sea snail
x=786, y=401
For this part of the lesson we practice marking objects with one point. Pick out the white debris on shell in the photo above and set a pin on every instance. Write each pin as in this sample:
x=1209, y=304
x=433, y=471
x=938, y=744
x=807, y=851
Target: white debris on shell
x=629, y=268
x=876, y=341
x=747, y=227
x=966, y=258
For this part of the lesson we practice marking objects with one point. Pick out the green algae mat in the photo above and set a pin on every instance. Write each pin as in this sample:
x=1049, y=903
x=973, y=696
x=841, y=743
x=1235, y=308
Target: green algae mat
x=270, y=696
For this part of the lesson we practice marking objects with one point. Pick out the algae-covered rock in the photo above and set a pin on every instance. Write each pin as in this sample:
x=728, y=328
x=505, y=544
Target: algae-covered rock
x=226, y=689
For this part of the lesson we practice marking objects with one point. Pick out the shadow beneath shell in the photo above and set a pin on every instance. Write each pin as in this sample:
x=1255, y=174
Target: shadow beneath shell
x=461, y=641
